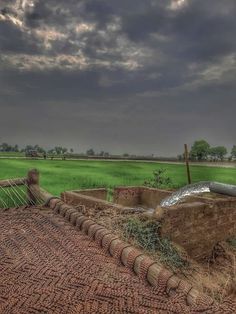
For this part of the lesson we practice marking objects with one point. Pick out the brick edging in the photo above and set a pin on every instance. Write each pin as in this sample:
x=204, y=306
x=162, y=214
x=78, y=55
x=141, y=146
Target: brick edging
x=142, y=265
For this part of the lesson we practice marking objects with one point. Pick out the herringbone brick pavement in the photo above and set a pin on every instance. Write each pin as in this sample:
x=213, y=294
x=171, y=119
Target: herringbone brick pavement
x=49, y=267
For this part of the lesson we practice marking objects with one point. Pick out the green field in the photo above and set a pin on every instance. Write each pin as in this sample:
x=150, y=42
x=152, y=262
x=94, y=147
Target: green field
x=57, y=175
x=11, y=154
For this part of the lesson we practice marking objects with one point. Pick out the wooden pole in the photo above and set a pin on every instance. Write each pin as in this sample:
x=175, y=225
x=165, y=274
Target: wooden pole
x=10, y=182
x=33, y=186
x=186, y=155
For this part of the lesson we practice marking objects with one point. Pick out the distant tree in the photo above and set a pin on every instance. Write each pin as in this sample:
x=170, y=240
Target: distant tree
x=213, y=153
x=125, y=155
x=5, y=147
x=51, y=151
x=106, y=154
x=71, y=150
x=64, y=150
x=200, y=150
x=43, y=150
x=233, y=152
x=218, y=153
x=58, y=150
x=90, y=152
x=222, y=152
x=101, y=153
x=36, y=148
x=28, y=148
x=16, y=148
x=40, y=150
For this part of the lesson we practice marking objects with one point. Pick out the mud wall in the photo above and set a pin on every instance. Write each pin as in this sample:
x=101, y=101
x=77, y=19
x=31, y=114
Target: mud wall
x=88, y=202
x=127, y=196
x=199, y=226
x=98, y=193
x=123, y=197
x=153, y=197
x=134, y=196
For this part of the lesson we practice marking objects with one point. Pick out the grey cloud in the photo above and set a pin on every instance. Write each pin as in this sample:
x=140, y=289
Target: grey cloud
x=119, y=75
x=199, y=32
x=13, y=39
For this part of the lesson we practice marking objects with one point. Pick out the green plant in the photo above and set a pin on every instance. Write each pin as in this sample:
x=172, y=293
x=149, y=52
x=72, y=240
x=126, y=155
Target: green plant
x=159, y=179
x=146, y=234
x=232, y=242
x=110, y=192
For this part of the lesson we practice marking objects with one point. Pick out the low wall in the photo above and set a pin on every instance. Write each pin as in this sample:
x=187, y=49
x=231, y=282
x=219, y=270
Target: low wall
x=199, y=226
x=151, y=198
x=97, y=193
x=122, y=197
x=134, y=196
x=127, y=196
x=89, y=202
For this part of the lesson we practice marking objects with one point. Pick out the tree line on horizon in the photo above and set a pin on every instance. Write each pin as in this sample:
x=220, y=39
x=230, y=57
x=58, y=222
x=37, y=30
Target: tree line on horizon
x=201, y=150
x=57, y=150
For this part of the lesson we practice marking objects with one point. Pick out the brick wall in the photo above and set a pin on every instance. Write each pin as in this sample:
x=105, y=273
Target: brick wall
x=151, y=198
x=88, y=202
x=122, y=197
x=134, y=196
x=127, y=196
x=98, y=193
x=199, y=226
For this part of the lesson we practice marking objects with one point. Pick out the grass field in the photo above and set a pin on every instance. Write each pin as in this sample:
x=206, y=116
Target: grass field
x=11, y=154
x=57, y=175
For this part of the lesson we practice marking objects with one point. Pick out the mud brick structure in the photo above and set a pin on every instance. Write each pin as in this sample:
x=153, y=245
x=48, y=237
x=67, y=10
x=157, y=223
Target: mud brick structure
x=90, y=199
x=123, y=197
x=127, y=196
x=197, y=224
x=97, y=193
x=139, y=196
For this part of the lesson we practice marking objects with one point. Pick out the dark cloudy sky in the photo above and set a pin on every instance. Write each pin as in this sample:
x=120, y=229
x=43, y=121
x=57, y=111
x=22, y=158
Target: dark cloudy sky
x=138, y=76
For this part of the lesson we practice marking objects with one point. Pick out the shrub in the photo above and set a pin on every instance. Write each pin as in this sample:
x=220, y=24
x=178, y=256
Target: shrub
x=159, y=179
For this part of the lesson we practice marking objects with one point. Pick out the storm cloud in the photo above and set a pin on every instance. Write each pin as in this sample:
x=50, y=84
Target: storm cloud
x=122, y=76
